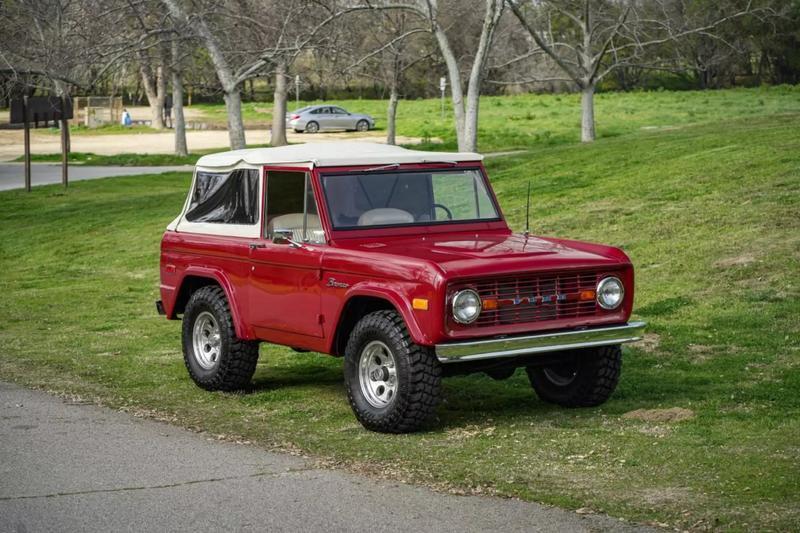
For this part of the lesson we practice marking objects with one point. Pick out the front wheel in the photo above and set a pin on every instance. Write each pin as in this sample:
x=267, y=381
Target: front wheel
x=585, y=378
x=362, y=125
x=215, y=358
x=393, y=385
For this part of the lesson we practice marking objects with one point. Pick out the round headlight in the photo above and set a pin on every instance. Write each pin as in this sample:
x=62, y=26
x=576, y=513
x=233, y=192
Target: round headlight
x=466, y=306
x=610, y=293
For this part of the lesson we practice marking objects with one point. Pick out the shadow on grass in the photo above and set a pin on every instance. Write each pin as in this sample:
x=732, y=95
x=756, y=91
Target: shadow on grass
x=302, y=370
x=478, y=399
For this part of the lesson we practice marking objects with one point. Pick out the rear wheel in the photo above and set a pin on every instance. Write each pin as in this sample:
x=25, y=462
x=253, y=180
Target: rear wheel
x=312, y=127
x=585, y=378
x=393, y=385
x=362, y=125
x=215, y=358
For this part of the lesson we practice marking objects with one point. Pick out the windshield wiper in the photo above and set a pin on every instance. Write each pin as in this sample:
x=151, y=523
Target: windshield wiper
x=451, y=163
x=384, y=167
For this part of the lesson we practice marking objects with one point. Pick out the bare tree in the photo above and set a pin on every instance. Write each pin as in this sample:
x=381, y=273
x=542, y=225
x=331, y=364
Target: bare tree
x=147, y=23
x=392, y=52
x=590, y=39
x=181, y=148
x=466, y=103
x=242, y=44
x=58, y=44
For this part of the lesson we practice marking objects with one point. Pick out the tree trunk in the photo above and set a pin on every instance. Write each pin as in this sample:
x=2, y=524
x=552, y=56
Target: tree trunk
x=587, y=113
x=177, y=102
x=467, y=115
x=162, y=73
x=233, y=107
x=152, y=87
x=230, y=84
x=391, y=116
x=456, y=89
x=469, y=139
x=278, y=133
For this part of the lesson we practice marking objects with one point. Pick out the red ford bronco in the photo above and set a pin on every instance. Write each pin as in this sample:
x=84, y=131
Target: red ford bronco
x=398, y=260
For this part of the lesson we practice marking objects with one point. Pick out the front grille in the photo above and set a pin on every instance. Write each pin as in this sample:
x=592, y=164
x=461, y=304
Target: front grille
x=535, y=297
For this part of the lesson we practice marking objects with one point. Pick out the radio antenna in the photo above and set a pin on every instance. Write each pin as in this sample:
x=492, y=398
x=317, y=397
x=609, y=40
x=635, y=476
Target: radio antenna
x=528, y=212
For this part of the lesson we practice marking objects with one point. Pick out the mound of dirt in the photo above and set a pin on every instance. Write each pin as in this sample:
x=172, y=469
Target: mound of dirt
x=673, y=414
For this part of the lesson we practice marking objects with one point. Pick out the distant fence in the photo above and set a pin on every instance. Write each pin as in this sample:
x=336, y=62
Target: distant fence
x=95, y=111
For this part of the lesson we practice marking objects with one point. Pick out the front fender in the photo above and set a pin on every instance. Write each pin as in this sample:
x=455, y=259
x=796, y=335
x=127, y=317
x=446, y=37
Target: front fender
x=421, y=324
x=235, y=298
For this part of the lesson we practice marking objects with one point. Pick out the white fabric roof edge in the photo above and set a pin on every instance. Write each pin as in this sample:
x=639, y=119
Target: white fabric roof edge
x=331, y=154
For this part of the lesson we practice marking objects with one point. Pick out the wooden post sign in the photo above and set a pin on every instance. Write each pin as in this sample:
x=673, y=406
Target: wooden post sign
x=43, y=109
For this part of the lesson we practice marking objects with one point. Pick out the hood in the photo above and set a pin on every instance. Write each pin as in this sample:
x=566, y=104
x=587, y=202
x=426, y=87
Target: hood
x=467, y=254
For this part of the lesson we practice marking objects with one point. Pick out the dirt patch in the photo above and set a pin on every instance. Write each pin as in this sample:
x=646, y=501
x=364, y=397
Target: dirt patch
x=673, y=414
x=11, y=141
x=649, y=343
x=738, y=260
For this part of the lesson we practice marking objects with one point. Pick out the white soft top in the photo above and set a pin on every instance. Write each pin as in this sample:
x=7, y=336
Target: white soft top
x=331, y=154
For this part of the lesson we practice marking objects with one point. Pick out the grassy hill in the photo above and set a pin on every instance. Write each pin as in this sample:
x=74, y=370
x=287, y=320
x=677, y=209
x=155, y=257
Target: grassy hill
x=533, y=120
x=709, y=215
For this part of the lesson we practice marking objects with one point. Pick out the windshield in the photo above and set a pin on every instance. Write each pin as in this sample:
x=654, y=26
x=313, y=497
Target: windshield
x=403, y=198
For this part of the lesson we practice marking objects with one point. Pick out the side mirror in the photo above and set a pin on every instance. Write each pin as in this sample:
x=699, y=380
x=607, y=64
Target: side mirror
x=282, y=236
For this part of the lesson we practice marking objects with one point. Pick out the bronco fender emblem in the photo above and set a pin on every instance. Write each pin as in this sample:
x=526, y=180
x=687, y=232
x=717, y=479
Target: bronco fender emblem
x=338, y=284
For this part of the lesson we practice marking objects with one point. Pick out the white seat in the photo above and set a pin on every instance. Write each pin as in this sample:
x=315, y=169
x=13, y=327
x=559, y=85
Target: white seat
x=385, y=215
x=294, y=223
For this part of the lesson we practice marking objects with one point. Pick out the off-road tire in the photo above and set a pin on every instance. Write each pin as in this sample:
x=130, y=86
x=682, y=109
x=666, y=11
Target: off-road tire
x=418, y=375
x=237, y=359
x=596, y=376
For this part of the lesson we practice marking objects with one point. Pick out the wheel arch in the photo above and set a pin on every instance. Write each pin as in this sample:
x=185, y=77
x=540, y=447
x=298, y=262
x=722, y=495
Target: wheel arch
x=361, y=303
x=198, y=278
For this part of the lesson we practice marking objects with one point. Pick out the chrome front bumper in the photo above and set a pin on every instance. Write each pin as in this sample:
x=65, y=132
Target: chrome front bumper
x=545, y=342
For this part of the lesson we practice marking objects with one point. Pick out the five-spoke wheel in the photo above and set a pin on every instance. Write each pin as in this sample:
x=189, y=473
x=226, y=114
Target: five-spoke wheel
x=206, y=340
x=377, y=374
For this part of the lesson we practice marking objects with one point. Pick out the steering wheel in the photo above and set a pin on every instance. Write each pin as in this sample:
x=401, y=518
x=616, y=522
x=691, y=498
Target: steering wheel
x=446, y=210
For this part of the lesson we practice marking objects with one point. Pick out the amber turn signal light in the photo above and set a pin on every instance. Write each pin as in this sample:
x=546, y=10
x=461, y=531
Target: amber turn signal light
x=420, y=303
x=490, y=305
x=585, y=296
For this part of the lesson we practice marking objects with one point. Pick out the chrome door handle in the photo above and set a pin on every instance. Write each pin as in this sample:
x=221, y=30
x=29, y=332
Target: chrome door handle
x=254, y=245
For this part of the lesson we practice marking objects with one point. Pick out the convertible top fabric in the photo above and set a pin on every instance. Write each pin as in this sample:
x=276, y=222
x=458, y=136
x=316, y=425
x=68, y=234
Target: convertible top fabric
x=331, y=154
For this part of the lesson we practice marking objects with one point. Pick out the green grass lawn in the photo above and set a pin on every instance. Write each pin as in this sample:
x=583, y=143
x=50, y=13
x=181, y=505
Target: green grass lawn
x=709, y=216
x=534, y=120
x=506, y=123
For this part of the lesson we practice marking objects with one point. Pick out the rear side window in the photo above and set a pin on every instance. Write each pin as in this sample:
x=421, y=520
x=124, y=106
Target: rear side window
x=225, y=197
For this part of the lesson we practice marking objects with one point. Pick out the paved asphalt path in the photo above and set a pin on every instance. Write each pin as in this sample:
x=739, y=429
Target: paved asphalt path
x=12, y=175
x=69, y=466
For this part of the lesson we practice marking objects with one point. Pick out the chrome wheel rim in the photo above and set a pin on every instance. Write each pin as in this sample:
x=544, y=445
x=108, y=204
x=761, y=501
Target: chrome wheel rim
x=206, y=340
x=312, y=128
x=362, y=126
x=377, y=374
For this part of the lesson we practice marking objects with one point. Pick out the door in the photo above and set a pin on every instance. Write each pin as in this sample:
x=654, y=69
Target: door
x=285, y=272
x=341, y=119
x=322, y=116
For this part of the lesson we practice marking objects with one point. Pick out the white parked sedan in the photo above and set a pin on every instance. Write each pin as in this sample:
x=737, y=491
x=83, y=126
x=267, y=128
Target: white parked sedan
x=315, y=118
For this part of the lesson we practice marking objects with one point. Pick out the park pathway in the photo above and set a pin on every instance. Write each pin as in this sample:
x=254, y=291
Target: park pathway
x=12, y=175
x=70, y=466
